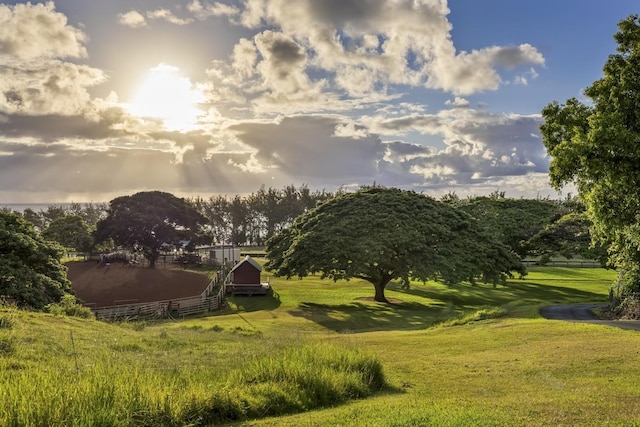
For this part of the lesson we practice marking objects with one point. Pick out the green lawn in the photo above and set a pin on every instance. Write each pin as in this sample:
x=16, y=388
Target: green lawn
x=501, y=364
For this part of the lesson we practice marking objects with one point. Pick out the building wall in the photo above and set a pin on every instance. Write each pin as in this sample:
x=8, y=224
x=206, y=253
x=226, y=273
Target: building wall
x=245, y=274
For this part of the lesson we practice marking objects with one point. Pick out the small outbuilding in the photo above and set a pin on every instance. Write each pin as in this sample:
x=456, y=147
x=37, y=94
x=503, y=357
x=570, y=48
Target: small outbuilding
x=245, y=279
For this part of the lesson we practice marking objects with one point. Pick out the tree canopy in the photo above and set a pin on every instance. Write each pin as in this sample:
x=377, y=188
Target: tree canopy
x=381, y=234
x=513, y=221
x=71, y=232
x=149, y=220
x=597, y=147
x=30, y=268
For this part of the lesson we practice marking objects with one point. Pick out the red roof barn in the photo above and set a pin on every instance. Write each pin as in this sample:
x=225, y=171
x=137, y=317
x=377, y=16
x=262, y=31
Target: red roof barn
x=245, y=278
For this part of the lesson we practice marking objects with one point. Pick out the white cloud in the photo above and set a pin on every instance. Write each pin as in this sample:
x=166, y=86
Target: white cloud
x=203, y=11
x=395, y=42
x=168, y=16
x=33, y=31
x=39, y=87
x=133, y=19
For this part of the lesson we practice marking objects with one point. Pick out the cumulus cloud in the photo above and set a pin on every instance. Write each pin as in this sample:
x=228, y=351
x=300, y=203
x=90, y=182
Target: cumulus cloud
x=46, y=86
x=30, y=31
x=203, y=11
x=35, y=78
x=399, y=42
x=168, y=16
x=133, y=19
x=479, y=147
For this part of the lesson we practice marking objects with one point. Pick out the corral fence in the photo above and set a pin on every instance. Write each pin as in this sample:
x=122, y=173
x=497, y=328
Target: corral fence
x=211, y=299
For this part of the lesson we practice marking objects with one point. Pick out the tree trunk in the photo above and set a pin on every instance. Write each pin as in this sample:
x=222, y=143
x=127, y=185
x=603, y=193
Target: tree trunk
x=380, y=292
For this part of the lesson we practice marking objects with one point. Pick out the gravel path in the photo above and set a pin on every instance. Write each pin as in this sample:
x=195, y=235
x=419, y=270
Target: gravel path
x=584, y=313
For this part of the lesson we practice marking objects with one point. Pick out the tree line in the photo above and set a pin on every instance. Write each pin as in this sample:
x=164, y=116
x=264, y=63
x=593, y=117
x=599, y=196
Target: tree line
x=372, y=223
x=539, y=228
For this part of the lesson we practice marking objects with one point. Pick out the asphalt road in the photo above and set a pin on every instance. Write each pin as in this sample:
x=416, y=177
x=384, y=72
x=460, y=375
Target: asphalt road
x=584, y=313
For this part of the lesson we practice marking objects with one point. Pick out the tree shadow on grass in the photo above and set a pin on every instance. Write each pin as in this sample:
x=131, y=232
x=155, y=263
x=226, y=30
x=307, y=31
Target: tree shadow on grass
x=525, y=292
x=246, y=303
x=363, y=317
x=440, y=304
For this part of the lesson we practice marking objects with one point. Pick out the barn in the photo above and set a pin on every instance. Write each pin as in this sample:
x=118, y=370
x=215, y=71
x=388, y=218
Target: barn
x=244, y=279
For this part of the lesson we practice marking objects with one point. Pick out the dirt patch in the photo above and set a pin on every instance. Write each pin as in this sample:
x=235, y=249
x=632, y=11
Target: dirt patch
x=121, y=284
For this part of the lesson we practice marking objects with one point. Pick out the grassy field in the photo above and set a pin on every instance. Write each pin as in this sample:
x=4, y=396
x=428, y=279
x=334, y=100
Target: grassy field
x=462, y=356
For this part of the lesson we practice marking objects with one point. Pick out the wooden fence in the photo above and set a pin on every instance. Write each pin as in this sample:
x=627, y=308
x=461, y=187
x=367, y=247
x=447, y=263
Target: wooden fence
x=208, y=300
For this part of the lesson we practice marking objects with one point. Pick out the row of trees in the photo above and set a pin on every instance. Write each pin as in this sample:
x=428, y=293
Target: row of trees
x=539, y=228
x=149, y=222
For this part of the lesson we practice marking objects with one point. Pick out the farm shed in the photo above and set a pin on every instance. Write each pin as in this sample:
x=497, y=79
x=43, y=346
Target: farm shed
x=245, y=278
x=220, y=254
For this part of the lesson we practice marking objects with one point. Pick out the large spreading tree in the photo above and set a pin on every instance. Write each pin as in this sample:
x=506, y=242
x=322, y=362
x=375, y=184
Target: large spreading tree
x=596, y=146
x=30, y=268
x=149, y=220
x=381, y=234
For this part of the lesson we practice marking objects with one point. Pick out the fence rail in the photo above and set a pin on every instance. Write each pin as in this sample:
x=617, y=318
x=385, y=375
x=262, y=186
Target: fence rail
x=208, y=300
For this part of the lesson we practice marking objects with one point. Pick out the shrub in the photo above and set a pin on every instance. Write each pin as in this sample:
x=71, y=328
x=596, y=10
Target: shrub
x=629, y=308
x=7, y=345
x=6, y=322
x=69, y=306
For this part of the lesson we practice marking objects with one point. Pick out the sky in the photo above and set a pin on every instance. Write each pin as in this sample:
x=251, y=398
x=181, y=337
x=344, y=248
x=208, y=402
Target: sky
x=100, y=99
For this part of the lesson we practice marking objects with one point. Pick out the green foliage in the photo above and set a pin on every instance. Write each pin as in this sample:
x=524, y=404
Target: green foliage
x=597, y=148
x=30, y=268
x=71, y=232
x=513, y=221
x=569, y=237
x=379, y=234
x=256, y=217
x=149, y=220
x=70, y=306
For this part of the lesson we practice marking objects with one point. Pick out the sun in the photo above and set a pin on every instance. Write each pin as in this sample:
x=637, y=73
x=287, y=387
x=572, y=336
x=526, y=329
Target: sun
x=166, y=95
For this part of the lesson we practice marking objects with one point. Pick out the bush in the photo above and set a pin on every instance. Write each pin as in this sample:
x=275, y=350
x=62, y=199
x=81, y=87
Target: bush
x=7, y=345
x=70, y=306
x=6, y=322
x=629, y=308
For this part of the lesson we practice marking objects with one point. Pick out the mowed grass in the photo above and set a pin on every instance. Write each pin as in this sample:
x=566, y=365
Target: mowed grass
x=462, y=356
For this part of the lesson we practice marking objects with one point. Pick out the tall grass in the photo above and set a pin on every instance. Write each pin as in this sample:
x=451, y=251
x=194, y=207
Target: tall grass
x=117, y=384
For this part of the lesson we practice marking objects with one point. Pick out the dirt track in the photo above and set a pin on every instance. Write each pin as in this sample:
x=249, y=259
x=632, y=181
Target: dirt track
x=93, y=284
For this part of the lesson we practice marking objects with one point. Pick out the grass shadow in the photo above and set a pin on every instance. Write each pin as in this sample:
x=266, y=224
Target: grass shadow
x=525, y=292
x=428, y=305
x=363, y=317
x=246, y=303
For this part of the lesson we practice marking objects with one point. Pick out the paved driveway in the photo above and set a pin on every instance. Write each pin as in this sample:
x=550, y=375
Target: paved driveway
x=584, y=313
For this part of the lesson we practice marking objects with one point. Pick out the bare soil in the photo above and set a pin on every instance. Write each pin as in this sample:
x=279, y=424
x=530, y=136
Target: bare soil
x=94, y=284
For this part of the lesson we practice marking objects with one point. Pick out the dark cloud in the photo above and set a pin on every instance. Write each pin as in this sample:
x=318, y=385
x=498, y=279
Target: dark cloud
x=307, y=147
x=287, y=52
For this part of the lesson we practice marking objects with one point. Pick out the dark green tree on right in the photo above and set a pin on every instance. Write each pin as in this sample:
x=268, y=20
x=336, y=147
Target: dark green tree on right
x=596, y=146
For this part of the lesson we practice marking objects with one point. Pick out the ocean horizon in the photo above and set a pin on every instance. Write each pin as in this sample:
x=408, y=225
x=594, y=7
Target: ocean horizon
x=36, y=207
